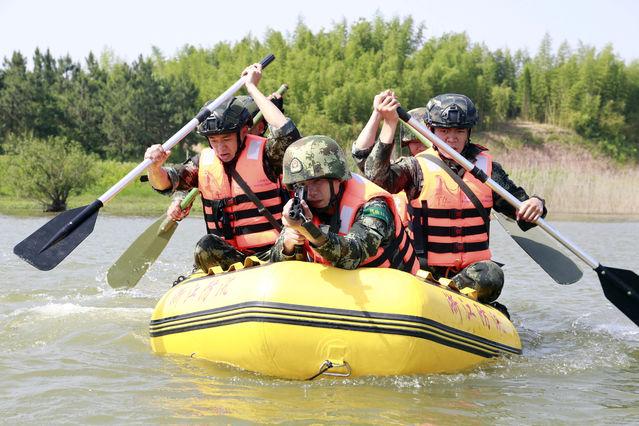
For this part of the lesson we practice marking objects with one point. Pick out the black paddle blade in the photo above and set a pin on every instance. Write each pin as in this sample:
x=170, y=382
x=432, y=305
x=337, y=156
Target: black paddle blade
x=542, y=249
x=621, y=287
x=31, y=248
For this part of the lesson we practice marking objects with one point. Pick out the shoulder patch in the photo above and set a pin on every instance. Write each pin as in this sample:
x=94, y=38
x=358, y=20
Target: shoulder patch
x=378, y=211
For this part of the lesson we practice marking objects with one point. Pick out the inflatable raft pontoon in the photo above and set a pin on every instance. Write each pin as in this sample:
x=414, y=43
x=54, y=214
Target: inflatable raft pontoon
x=300, y=320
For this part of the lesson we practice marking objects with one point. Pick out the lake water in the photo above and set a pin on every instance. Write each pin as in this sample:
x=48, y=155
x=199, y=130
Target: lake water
x=75, y=350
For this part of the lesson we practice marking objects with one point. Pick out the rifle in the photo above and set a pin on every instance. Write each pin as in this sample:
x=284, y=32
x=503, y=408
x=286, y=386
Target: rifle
x=296, y=213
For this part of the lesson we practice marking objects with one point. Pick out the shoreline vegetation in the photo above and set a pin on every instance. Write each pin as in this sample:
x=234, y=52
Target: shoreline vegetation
x=553, y=162
x=62, y=116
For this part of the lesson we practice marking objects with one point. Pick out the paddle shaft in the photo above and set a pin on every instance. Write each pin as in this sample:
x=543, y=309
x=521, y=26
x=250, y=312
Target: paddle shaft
x=181, y=134
x=481, y=175
x=96, y=205
x=186, y=202
x=258, y=117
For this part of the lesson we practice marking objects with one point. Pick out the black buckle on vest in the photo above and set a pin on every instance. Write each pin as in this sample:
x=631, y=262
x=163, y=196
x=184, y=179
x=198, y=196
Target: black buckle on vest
x=456, y=214
x=456, y=231
x=457, y=247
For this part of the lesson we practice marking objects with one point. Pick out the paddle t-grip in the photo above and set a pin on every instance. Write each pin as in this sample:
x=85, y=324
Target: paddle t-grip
x=267, y=60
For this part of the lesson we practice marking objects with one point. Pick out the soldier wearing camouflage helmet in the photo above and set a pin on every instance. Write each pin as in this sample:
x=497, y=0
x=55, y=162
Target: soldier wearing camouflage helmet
x=237, y=176
x=347, y=221
x=450, y=232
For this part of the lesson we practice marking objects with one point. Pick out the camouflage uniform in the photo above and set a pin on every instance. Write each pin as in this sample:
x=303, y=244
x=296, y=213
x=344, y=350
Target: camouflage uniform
x=406, y=174
x=212, y=250
x=373, y=227
x=317, y=157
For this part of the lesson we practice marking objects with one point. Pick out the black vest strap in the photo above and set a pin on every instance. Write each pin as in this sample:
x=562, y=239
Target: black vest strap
x=265, y=195
x=251, y=229
x=219, y=217
x=456, y=231
x=246, y=214
x=395, y=256
x=457, y=247
x=260, y=206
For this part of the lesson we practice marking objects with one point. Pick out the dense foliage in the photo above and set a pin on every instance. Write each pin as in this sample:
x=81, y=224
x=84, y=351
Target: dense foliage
x=49, y=170
x=116, y=109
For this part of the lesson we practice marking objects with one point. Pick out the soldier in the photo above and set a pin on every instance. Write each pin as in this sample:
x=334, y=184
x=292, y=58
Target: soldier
x=347, y=221
x=258, y=128
x=238, y=177
x=450, y=230
x=364, y=143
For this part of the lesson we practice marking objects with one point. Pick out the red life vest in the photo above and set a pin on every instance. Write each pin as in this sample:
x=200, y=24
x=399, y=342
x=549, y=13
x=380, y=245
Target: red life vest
x=228, y=212
x=399, y=253
x=445, y=222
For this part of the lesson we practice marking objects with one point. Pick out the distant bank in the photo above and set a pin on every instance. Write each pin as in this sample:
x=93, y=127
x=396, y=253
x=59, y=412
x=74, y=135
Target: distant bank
x=548, y=161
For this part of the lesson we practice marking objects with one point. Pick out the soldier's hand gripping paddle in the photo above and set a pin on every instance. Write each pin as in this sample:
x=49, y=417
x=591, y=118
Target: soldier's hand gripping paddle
x=50, y=244
x=620, y=286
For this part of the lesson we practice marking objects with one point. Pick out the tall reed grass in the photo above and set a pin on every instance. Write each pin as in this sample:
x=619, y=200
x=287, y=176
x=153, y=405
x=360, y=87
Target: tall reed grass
x=558, y=166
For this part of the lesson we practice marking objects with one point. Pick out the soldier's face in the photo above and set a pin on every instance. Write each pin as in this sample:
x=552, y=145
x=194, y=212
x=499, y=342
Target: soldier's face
x=259, y=128
x=456, y=138
x=318, y=192
x=415, y=147
x=226, y=144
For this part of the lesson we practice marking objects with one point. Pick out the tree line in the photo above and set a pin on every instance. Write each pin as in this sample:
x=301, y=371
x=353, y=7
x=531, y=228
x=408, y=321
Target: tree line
x=115, y=110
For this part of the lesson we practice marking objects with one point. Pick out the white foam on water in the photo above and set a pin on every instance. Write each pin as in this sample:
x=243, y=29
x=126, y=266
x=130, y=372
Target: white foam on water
x=57, y=310
x=628, y=332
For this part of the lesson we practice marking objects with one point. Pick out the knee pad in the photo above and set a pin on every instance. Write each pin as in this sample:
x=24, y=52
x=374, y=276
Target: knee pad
x=485, y=276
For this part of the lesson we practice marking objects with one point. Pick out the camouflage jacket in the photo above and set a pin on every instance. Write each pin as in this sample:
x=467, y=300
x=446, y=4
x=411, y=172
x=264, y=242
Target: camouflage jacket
x=184, y=176
x=373, y=227
x=405, y=174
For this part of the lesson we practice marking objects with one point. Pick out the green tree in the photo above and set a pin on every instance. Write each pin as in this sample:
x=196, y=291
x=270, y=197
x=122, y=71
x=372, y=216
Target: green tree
x=17, y=97
x=49, y=170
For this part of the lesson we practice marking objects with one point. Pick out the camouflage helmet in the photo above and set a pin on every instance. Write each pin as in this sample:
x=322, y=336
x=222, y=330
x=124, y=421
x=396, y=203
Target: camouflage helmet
x=405, y=134
x=227, y=118
x=249, y=104
x=314, y=157
x=451, y=110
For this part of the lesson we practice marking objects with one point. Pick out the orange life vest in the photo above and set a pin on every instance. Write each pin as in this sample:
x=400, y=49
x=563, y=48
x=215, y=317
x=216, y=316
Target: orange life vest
x=399, y=253
x=228, y=212
x=447, y=228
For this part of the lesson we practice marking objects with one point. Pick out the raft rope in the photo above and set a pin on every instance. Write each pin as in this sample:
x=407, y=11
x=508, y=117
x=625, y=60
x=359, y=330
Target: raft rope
x=327, y=365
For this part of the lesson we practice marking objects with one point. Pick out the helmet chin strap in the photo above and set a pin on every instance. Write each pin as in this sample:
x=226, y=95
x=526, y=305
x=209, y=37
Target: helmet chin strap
x=240, y=144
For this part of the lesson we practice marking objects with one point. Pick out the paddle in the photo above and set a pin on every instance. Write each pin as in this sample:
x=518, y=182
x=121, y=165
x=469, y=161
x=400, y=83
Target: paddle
x=534, y=242
x=144, y=251
x=50, y=244
x=620, y=286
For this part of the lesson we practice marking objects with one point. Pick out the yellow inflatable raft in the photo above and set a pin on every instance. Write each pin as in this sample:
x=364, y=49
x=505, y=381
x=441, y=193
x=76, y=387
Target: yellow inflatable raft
x=300, y=320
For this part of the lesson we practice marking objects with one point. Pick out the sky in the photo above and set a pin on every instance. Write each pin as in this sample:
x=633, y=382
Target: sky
x=131, y=27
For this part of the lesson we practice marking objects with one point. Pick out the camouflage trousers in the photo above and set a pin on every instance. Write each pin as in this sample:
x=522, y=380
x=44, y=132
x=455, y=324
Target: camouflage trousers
x=484, y=276
x=212, y=250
